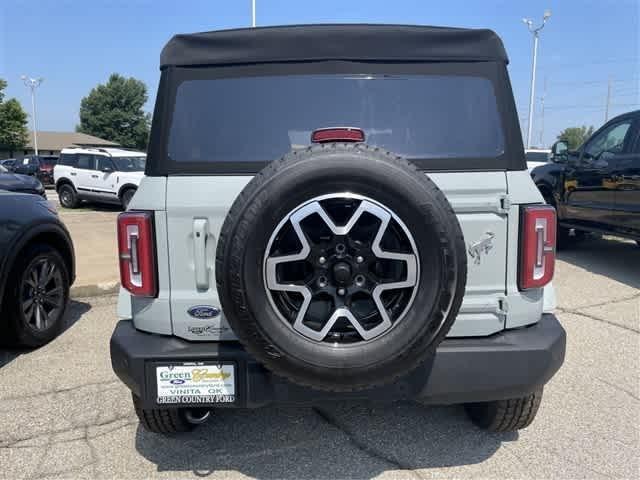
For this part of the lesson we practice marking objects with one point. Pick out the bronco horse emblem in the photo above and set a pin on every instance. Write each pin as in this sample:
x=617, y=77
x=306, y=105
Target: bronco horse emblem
x=484, y=245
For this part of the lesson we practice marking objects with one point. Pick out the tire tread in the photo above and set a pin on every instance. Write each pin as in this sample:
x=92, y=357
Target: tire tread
x=161, y=420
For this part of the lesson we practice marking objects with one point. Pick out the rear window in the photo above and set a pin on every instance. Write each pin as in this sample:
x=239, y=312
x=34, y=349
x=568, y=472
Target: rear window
x=49, y=162
x=68, y=159
x=130, y=164
x=258, y=119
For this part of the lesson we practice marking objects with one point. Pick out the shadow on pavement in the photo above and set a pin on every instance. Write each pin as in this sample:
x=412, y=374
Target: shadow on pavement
x=608, y=256
x=333, y=441
x=75, y=310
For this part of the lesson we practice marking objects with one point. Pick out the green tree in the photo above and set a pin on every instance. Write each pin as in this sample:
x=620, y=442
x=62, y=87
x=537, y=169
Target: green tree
x=113, y=111
x=13, y=122
x=575, y=136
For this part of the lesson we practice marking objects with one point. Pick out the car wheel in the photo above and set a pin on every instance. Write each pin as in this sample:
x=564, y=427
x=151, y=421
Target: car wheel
x=168, y=420
x=505, y=415
x=37, y=297
x=126, y=197
x=68, y=196
x=341, y=267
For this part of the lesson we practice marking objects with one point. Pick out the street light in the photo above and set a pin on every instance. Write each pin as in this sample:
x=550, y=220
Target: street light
x=32, y=84
x=253, y=13
x=535, y=31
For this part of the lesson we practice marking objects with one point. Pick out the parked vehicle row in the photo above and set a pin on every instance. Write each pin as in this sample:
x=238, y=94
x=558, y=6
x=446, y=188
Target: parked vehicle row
x=596, y=188
x=102, y=175
x=15, y=182
x=39, y=166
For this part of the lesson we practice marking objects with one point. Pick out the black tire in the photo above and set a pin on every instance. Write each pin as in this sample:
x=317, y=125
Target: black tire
x=16, y=327
x=505, y=415
x=68, y=196
x=297, y=178
x=162, y=420
x=126, y=196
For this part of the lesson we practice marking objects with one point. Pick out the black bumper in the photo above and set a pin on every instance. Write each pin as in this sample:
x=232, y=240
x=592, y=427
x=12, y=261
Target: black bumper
x=510, y=364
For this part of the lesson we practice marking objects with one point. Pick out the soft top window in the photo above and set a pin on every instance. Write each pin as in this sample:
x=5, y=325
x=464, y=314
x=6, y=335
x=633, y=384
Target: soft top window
x=258, y=119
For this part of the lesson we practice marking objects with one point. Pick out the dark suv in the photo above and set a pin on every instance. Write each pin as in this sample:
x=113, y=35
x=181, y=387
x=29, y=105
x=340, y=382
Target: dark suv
x=596, y=188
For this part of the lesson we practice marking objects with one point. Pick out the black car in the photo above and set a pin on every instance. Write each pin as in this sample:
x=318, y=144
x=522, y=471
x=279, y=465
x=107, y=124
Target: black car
x=9, y=163
x=596, y=188
x=16, y=182
x=40, y=166
x=37, y=268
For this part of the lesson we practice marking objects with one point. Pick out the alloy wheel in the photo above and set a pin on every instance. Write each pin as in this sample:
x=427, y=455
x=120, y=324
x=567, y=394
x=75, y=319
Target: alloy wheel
x=42, y=294
x=341, y=268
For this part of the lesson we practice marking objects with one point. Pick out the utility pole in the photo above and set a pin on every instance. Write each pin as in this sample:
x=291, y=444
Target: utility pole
x=544, y=94
x=535, y=31
x=32, y=84
x=606, y=110
x=253, y=13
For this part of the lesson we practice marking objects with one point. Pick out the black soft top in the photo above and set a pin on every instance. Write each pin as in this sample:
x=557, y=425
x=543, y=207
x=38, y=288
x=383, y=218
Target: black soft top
x=355, y=42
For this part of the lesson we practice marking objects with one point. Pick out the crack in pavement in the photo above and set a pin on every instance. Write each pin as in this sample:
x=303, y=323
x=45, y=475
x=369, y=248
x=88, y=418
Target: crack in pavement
x=132, y=419
x=108, y=384
x=608, y=302
x=617, y=387
x=362, y=446
x=597, y=319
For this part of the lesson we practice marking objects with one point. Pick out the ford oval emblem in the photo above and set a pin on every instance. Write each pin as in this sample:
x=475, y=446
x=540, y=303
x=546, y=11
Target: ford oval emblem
x=203, y=311
x=176, y=381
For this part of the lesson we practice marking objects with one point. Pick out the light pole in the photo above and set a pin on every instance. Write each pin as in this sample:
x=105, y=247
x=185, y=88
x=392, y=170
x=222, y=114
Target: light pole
x=535, y=31
x=253, y=13
x=32, y=84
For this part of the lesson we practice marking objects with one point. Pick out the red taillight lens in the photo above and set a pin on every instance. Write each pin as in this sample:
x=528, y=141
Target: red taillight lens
x=340, y=134
x=538, y=246
x=136, y=249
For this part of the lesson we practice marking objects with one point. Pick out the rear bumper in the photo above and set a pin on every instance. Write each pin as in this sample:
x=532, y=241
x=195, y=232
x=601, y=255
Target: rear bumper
x=511, y=364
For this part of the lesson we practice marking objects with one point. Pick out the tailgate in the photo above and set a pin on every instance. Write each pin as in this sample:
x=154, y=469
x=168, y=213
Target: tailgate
x=197, y=206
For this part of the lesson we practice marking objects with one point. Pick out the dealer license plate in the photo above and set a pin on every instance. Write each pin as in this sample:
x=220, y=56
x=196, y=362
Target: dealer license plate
x=196, y=382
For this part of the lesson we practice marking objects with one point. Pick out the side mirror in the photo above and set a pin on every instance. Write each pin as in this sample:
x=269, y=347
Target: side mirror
x=107, y=169
x=559, y=148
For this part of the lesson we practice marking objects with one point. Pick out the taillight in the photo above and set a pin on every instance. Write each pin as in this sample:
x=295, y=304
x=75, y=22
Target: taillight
x=136, y=249
x=538, y=246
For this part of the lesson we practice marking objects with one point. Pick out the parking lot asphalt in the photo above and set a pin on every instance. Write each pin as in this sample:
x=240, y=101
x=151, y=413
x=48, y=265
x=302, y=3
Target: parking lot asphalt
x=64, y=414
x=93, y=230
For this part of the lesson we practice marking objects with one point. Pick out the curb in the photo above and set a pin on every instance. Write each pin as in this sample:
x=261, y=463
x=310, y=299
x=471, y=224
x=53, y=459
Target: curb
x=95, y=290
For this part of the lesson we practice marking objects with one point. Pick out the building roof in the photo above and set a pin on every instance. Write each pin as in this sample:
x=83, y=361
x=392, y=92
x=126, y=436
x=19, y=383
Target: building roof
x=60, y=140
x=355, y=42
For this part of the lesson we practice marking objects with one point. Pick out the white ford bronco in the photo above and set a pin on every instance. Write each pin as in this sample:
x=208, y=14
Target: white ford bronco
x=103, y=175
x=336, y=212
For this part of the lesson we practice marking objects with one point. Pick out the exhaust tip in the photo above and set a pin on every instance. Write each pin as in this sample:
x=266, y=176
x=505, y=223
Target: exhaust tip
x=197, y=416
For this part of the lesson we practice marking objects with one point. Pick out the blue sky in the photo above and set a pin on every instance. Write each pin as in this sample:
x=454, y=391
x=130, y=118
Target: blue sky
x=76, y=44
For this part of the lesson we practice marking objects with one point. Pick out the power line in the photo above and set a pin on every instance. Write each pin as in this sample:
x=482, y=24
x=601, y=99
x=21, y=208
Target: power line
x=601, y=107
x=595, y=62
x=597, y=82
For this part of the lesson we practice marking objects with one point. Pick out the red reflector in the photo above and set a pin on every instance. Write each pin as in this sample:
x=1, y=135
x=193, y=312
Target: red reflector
x=538, y=247
x=136, y=249
x=341, y=134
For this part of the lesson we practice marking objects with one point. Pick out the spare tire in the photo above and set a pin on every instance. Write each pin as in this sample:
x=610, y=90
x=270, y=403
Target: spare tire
x=341, y=267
